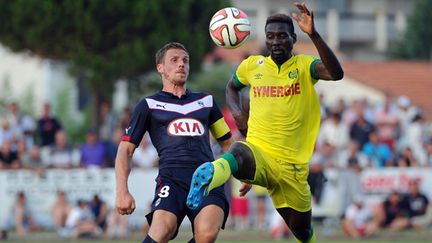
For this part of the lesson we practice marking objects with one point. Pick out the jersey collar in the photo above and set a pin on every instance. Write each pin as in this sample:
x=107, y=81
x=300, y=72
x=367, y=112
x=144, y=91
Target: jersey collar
x=286, y=63
x=171, y=95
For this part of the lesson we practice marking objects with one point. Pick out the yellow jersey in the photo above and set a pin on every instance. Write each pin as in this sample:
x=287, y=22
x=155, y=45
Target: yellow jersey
x=284, y=115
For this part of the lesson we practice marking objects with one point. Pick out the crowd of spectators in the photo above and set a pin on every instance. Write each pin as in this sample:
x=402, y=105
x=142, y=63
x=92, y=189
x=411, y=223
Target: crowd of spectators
x=42, y=143
x=357, y=136
x=353, y=137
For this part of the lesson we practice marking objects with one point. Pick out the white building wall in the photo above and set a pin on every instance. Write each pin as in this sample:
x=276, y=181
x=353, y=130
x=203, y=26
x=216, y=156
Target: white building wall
x=24, y=74
x=44, y=79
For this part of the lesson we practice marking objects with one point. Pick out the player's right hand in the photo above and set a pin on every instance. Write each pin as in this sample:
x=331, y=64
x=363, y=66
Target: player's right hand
x=244, y=188
x=125, y=203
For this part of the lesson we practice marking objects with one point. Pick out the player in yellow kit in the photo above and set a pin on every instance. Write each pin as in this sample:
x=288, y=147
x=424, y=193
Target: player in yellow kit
x=281, y=126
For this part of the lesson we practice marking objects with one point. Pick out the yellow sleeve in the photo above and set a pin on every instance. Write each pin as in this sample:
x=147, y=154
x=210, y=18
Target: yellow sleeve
x=310, y=62
x=240, y=75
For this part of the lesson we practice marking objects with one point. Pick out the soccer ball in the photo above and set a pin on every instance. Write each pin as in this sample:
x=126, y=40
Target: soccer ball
x=229, y=28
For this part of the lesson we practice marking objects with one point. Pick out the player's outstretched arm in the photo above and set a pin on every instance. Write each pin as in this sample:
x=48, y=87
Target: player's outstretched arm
x=125, y=203
x=233, y=102
x=329, y=68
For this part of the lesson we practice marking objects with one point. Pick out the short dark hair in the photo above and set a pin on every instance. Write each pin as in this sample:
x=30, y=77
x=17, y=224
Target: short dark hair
x=160, y=54
x=281, y=18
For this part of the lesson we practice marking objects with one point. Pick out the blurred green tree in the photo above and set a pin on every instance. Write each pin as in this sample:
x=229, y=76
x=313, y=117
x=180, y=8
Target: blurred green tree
x=106, y=40
x=417, y=40
x=213, y=81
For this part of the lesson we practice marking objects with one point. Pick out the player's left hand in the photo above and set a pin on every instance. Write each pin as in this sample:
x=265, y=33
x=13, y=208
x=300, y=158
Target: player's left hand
x=306, y=21
x=244, y=188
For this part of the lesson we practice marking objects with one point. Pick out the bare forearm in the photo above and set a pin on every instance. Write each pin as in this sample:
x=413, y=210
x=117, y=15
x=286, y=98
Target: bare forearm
x=122, y=168
x=233, y=100
x=327, y=56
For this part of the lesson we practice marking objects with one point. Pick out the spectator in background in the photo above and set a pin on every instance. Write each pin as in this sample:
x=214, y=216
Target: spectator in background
x=406, y=158
x=278, y=228
x=360, y=129
x=61, y=155
x=11, y=134
x=81, y=223
x=112, y=145
x=145, y=155
x=93, y=153
x=32, y=160
x=60, y=211
x=48, y=126
x=24, y=221
x=378, y=153
x=359, y=221
x=428, y=148
x=100, y=211
x=117, y=226
x=339, y=108
x=260, y=206
x=414, y=137
x=387, y=123
x=417, y=201
x=239, y=206
x=333, y=132
x=22, y=123
x=8, y=158
x=393, y=213
x=351, y=162
x=125, y=117
x=323, y=157
x=405, y=113
x=108, y=122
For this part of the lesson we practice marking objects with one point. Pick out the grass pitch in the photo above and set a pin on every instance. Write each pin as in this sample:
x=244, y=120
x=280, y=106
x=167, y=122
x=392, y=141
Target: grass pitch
x=241, y=236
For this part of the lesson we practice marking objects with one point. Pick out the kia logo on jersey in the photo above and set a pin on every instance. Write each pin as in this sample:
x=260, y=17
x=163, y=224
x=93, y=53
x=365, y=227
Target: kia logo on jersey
x=186, y=127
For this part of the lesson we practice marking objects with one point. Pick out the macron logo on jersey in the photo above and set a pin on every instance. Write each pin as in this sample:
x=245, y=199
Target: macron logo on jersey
x=188, y=127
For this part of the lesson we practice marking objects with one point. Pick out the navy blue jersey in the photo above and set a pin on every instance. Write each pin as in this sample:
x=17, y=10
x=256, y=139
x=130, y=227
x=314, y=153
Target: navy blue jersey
x=178, y=127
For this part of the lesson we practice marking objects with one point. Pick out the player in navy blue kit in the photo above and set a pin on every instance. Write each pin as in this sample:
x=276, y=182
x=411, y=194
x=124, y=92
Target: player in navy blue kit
x=179, y=122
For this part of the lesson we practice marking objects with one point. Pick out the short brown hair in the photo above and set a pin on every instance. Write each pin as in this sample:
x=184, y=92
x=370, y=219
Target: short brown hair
x=160, y=54
x=281, y=18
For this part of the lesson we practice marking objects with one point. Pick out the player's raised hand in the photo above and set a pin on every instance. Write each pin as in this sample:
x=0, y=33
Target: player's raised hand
x=244, y=188
x=306, y=20
x=125, y=203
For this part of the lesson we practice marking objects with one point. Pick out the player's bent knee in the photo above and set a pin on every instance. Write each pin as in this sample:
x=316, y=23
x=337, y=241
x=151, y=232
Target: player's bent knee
x=163, y=232
x=206, y=233
x=206, y=237
x=245, y=161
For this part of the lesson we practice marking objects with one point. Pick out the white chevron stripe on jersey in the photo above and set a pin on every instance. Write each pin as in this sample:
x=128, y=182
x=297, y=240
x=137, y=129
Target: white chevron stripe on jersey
x=182, y=109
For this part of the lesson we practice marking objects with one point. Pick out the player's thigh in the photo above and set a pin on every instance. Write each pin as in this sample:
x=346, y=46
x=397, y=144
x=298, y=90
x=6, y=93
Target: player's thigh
x=289, y=187
x=163, y=225
x=209, y=220
x=214, y=207
x=168, y=207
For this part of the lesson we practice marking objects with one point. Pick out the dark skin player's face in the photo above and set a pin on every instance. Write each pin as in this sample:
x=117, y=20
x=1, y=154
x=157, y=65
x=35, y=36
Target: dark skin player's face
x=279, y=41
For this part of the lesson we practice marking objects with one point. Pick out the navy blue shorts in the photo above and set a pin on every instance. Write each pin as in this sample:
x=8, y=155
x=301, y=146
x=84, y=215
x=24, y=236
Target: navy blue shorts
x=172, y=188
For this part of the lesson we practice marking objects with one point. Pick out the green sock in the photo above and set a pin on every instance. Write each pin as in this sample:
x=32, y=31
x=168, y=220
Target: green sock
x=224, y=167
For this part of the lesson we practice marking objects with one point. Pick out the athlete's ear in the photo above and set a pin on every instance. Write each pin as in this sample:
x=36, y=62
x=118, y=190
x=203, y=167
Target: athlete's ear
x=159, y=68
x=294, y=36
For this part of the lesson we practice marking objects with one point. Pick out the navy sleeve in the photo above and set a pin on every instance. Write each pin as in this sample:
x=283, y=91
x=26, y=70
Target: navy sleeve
x=138, y=124
x=215, y=113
